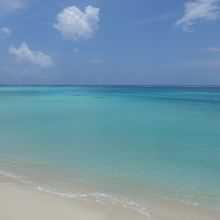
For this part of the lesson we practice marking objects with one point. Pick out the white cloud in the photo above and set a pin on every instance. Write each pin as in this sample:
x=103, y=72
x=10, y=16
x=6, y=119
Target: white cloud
x=213, y=49
x=75, y=50
x=10, y=6
x=97, y=61
x=24, y=53
x=5, y=31
x=205, y=64
x=12, y=71
x=76, y=24
x=198, y=10
x=150, y=20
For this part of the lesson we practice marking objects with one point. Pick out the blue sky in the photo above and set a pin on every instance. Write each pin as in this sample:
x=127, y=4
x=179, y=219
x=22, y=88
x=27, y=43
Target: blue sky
x=145, y=42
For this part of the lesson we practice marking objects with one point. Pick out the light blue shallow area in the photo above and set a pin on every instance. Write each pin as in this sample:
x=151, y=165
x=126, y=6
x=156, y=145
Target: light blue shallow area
x=134, y=142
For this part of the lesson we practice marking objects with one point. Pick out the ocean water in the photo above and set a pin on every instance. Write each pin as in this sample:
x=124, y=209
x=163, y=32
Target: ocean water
x=114, y=144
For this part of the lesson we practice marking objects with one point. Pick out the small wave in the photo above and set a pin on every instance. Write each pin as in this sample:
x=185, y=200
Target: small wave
x=15, y=178
x=97, y=197
x=100, y=198
x=9, y=175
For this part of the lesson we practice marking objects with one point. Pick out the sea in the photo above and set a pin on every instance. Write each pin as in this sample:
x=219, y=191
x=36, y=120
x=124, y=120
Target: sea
x=113, y=144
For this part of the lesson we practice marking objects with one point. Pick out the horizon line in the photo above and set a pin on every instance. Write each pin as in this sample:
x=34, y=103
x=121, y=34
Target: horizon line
x=106, y=85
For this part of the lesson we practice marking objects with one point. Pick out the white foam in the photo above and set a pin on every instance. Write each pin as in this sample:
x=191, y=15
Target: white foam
x=100, y=198
x=97, y=197
x=9, y=175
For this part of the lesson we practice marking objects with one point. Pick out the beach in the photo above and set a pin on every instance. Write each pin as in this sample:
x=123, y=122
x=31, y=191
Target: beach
x=19, y=203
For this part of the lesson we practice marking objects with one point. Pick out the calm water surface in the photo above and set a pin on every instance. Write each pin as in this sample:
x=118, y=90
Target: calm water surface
x=126, y=142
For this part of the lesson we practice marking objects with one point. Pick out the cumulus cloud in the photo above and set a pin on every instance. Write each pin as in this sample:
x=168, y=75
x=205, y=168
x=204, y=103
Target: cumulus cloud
x=10, y=6
x=5, y=31
x=76, y=24
x=198, y=10
x=24, y=53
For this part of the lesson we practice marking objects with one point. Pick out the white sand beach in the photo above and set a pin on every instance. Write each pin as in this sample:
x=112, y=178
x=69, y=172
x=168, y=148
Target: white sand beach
x=19, y=203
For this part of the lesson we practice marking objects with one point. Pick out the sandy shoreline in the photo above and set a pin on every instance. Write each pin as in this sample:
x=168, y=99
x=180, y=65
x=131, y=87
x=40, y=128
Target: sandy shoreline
x=20, y=203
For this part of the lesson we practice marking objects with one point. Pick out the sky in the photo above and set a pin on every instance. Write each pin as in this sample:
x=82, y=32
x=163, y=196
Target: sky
x=110, y=42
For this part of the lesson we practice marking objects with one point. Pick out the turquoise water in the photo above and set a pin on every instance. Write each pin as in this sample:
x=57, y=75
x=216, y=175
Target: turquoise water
x=130, y=143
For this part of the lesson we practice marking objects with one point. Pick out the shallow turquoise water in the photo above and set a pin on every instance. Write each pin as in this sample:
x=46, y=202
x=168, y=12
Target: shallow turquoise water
x=130, y=142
